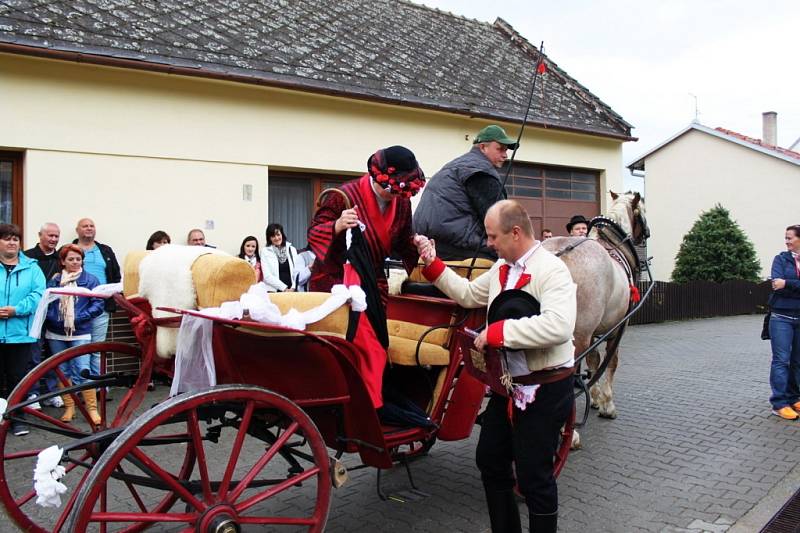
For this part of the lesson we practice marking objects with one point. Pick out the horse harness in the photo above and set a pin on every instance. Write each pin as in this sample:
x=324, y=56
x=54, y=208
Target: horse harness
x=619, y=246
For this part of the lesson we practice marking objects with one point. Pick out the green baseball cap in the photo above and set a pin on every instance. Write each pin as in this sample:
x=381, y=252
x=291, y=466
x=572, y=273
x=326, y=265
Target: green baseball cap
x=497, y=134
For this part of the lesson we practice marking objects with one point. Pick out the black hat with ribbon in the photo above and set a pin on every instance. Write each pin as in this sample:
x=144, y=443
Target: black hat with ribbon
x=396, y=169
x=512, y=304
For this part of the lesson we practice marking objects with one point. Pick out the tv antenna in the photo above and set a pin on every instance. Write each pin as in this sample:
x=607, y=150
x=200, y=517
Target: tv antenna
x=696, y=111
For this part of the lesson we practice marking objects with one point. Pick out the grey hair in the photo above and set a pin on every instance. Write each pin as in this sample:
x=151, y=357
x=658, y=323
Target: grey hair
x=44, y=226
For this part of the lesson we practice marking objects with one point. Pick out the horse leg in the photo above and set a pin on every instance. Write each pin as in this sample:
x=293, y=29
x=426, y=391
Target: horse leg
x=606, y=385
x=592, y=362
x=580, y=346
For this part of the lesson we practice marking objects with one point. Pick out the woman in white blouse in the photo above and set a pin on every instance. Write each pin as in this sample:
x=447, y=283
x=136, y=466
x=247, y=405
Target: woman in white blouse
x=249, y=252
x=279, y=261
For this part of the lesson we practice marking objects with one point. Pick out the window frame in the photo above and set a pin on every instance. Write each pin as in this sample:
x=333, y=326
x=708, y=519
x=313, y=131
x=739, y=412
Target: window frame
x=17, y=192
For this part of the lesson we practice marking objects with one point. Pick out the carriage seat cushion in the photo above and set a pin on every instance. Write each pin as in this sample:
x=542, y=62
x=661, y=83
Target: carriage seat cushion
x=459, y=267
x=335, y=322
x=403, y=339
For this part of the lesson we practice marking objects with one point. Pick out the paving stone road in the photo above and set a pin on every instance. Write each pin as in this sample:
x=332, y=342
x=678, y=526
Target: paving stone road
x=694, y=449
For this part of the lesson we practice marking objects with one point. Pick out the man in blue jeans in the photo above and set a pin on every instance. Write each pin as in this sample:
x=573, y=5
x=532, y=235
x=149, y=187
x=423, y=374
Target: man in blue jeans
x=99, y=260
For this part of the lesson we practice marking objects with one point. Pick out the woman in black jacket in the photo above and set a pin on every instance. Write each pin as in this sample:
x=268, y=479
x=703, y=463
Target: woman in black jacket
x=784, y=328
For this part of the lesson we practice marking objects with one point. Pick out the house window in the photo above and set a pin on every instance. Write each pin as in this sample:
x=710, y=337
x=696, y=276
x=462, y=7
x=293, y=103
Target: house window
x=552, y=195
x=11, y=188
x=533, y=181
x=292, y=197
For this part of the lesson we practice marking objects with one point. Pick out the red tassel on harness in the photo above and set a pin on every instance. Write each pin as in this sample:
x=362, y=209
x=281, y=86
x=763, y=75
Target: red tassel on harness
x=511, y=410
x=635, y=296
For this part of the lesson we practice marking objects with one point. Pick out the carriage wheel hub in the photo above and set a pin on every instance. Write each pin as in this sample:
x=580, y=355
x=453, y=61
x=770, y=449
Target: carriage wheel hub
x=219, y=519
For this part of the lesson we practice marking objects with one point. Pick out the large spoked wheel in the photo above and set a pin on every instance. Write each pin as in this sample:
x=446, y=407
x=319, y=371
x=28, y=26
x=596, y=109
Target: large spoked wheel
x=565, y=444
x=256, y=452
x=84, y=441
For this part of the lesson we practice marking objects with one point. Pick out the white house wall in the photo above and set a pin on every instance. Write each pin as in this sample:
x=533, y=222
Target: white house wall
x=140, y=151
x=697, y=171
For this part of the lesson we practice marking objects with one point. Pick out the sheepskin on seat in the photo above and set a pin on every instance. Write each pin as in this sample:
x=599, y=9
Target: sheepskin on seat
x=179, y=276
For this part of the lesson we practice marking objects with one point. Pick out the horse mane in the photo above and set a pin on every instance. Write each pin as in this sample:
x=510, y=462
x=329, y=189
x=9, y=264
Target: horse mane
x=620, y=212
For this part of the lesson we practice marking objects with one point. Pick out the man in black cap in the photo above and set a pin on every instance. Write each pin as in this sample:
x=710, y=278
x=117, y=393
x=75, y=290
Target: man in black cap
x=578, y=226
x=455, y=202
x=522, y=436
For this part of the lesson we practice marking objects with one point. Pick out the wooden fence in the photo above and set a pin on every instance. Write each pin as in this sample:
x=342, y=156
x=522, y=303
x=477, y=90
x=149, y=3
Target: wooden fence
x=701, y=299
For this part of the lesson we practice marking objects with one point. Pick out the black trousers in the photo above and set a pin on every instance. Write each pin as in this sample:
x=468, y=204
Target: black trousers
x=530, y=444
x=16, y=362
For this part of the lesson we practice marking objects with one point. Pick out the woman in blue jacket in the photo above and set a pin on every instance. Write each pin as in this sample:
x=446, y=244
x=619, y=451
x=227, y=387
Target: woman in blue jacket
x=21, y=288
x=784, y=328
x=69, y=323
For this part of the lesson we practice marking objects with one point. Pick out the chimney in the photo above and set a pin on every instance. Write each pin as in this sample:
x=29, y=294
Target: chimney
x=770, y=126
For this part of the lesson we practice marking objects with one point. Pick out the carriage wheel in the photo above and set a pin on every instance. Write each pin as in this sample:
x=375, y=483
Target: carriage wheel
x=46, y=428
x=242, y=436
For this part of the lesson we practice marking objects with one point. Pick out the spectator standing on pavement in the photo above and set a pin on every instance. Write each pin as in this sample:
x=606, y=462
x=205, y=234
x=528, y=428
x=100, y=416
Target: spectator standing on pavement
x=159, y=238
x=578, y=226
x=249, y=252
x=21, y=287
x=45, y=252
x=784, y=328
x=47, y=258
x=519, y=436
x=279, y=261
x=99, y=260
x=69, y=324
x=455, y=201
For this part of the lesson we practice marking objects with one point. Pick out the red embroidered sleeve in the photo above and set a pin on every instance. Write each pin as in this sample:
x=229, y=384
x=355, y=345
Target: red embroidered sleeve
x=434, y=270
x=494, y=334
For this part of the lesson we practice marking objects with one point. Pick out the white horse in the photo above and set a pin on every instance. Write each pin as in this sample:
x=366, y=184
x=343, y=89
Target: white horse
x=606, y=281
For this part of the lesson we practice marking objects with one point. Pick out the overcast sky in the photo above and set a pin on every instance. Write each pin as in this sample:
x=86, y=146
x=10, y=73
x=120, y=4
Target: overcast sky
x=644, y=58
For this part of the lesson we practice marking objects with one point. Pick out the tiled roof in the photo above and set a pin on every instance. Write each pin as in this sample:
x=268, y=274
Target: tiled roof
x=759, y=142
x=721, y=133
x=386, y=50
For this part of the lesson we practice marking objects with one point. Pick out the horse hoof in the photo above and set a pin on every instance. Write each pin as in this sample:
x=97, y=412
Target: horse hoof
x=576, y=441
x=594, y=405
x=607, y=414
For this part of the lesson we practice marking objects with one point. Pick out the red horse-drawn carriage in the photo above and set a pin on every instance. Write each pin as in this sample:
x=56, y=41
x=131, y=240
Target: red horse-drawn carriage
x=287, y=407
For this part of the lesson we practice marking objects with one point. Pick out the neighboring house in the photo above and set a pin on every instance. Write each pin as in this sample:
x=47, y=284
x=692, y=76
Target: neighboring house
x=227, y=116
x=757, y=181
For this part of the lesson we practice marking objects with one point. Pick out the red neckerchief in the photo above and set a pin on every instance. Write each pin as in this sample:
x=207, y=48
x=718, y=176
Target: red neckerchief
x=523, y=280
x=380, y=223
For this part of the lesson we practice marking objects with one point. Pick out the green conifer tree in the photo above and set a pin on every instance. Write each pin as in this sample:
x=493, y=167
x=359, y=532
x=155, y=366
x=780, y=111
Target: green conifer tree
x=716, y=249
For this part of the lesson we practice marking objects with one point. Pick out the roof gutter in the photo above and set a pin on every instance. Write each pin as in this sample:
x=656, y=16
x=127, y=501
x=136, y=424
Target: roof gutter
x=149, y=66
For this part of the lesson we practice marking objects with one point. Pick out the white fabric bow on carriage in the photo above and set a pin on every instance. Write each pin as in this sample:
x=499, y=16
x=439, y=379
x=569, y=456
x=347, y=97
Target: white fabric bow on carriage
x=194, y=358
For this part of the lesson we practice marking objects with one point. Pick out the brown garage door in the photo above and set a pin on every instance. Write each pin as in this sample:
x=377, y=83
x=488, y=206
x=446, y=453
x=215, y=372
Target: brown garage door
x=552, y=195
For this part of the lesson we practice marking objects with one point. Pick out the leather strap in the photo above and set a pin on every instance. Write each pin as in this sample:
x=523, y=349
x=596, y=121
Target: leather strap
x=543, y=377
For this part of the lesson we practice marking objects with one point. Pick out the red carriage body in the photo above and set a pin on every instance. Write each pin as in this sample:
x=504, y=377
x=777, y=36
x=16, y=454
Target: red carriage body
x=297, y=391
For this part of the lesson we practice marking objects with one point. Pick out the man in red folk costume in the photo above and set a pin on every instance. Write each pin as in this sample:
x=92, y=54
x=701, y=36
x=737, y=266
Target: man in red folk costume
x=353, y=233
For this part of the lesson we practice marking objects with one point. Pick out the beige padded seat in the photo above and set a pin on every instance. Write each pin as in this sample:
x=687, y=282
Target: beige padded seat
x=403, y=339
x=462, y=268
x=335, y=323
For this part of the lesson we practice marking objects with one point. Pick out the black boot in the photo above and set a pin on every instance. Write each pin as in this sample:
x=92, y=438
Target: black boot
x=503, y=511
x=544, y=523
